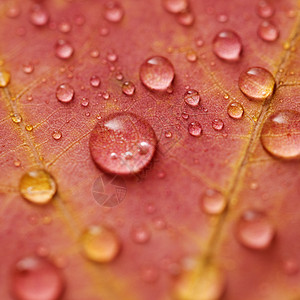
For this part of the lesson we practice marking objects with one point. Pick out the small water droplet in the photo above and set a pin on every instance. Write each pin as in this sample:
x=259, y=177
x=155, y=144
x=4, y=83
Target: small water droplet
x=65, y=93
x=199, y=42
x=157, y=73
x=85, y=102
x=235, y=110
x=17, y=163
x=119, y=76
x=16, y=118
x=213, y=202
x=63, y=49
x=192, y=97
x=105, y=95
x=168, y=134
x=94, y=53
x=114, y=12
x=191, y=56
x=37, y=186
x=217, y=124
x=100, y=244
x=29, y=127
x=104, y=31
x=149, y=274
x=143, y=148
x=13, y=11
x=195, y=129
x=112, y=56
x=28, y=68
x=56, y=135
x=185, y=18
x=264, y=9
x=268, y=32
x=185, y=116
x=257, y=83
x=36, y=278
x=291, y=266
x=121, y=133
x=140, y=234
x=280, y=134
x=64, y=27
x=222, y=18
x=254, y=230
x=4, y=78
x=95, y=81
x=39, y=16
x=128, y=88
x=175, y=6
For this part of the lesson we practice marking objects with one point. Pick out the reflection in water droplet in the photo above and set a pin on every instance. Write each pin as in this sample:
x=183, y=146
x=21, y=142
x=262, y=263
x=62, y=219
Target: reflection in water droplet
x=217, y=124
x=4, y=78
x=185, y=18
x=175, y=6
x=195, y=129
x=140, y=234
x=113, y=12
x=95, y=81
x=227, y=45
x=57, y=135
x=128, y=88
x=63, y=49
x=36, y=278
x=264, y=9
x=257, y=83
x=192, y=97
x=213, y=202
x=268, y=32
x=235, y=110
x=280, y=134
x=100, y=244
x=65, y=93
x=157, y=73
x=254, y=230
x=38, y=16
x=37, y=186
x=121, y=133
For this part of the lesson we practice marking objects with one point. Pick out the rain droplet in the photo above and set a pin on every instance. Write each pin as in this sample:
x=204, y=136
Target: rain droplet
x=192, y=97
x=16, y=118
x=254, y=230
x=264, y=9
x=65, y=93
x=100, y=244
x=227, y=45
x=175, y=6
x=217, y=124
x=140, y=234
x=113, y=12
x=95, y=81
x=63, y=49
x=4, y=79
x=121, y=133
x=213, y=202
x=36, y=278
x=37, y=186
x=280, y=134
x=157, y=73
x=235, y=110
x=128, y=88
x=268, y=32
x=39, y=16
x=185, y=18
x=257, y=83
x=56, y=135
x=195, y=129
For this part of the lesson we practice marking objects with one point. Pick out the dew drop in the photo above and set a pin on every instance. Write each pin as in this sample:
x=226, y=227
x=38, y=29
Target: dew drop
x=65, y=93
x=157, y=73
x=235, y=110
x=29, y=127
x=140, y=234
x=64, y=27
x=168, y=134
x=257, y=83
x=227, y=45
x=254, y=230
x=112, y=56
x=121, y=133
x=185, y=18
x=128, y=88
x=191, y=56
x=100, y=244
x=175, y=6
x=113, y=12
x=119, y=76
x=280, y=134
x=192, y=97
x=149, y=274
x=222, y=18
x=85, y=102
x=199, y=42
x=264, y=9
x=95, y=81
x=13, y=11
x=28, y=68
x=217, y=124
x=56, y=135
x=39, y=16
x=63, y=49
x=268, y=32
x=37, y=186
x=4, y=78
x=16, y=118
x=213, y=202
x=195, y=129
x=36, y=278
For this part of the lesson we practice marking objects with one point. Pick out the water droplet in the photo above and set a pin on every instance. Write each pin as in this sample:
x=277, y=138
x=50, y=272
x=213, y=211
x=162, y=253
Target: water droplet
x=95, y=81
x=149, y=274
x=94, y=53
x=217, y=124
x=257, y=83
x=222, y=18
x=191, y=56
x=268, y=32
x=56, y=135
x=28, y=68
x=291, y=266
x=185, y=18
x=4, y=79
x=264, y=9
x=64, y=27
x=227, y=45
x=16, y=118
x=121, y=133
x=213, y=202
x=128, y=88
x=13, y=11
x=175, y=6
x=100, y=244
x=235, y=110
x=63, y=49
x=280, y=134
x=29, y=127
x=105, y=95
x=195, y=129
x=36, y=278
x=199, y=42
x=119, y=76
x=168, y=134
x=140, y=234
x=38, y=16
x=65, y=93
x=254, y=230
x=192, y=97
x=37, y=186
x=113, y=12
x=157, y=73
x=112, y=56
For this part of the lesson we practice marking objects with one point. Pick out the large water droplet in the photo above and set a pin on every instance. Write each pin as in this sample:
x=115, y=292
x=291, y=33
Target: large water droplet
x=227, y=45
x=254, y=230
x=175, y=6
x=65, y=93
x=213, y=202
x=264, y=9
x=192, y=97
x=39, y=16
x=113, y=12
x=122, y=133
x=280, y=134
x=100, y=244
x=268, y=32
x=235, y=110
x=35, y=278
x=128, y=88
x=63, y=49
x=195, y=129
x=4, y=78
x=257, y=83
x=37, y=186
x=157, y=73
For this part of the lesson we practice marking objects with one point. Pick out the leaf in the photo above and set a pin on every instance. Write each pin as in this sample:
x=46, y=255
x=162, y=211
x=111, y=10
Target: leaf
x=169, y=248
